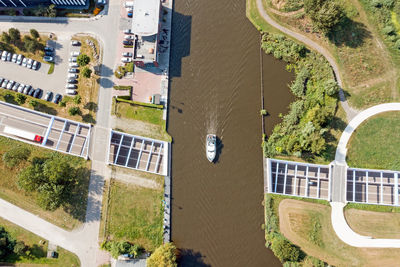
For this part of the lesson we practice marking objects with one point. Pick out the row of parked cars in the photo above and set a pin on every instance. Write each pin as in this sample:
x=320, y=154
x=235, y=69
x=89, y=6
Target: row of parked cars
x=48, y=54
x=27, y=89
x=70, y=87
x=19, y=59
x=129, y=39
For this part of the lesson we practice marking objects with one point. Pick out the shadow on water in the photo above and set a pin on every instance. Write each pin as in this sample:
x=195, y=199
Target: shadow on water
x=183, y=28
x=220, y=146
x=191, y=258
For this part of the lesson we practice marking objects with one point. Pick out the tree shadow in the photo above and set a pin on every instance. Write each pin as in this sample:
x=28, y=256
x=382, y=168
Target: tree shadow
x=88, y=118
x=92, y=106
x=46, y=109
x=188, y=257
x=349, y=33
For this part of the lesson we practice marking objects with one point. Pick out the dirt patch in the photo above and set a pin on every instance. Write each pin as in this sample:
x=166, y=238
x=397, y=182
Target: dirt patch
x=295, y=218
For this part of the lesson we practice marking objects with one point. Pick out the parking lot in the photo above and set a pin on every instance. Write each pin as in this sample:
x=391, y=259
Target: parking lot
x=54, y=82
x=58, y=134
x=136, y=152
x=372, y=186
x=299, y=179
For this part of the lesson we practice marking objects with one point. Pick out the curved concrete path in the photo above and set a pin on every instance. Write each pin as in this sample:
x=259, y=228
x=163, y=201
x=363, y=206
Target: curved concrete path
x=342, y=229
x=350, y=112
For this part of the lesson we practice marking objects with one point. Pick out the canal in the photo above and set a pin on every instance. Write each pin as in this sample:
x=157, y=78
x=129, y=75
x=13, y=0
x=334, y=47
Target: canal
x=215, y=88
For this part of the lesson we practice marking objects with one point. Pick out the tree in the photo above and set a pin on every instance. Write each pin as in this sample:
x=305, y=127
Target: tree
x=77, y=99
x=331, y=87
x=83, y=60
x=15, y=35
x=30, y=45
x=5, y=38
x=7, y=243
x=20, y=99
x=34, y=34
x=325, y=14
x=73, y=111
x=51, y=11
x=284, y=250
x=54, y=179
x=163, y=256
x=86, y=72
x=15, y=156
x=19, y=248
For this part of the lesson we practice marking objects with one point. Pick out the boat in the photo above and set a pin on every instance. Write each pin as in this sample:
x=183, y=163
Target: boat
x=211, y=147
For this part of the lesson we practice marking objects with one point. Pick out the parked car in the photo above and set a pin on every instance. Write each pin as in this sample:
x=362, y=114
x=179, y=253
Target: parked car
x=35, y=65
x=49, y=96
x=129, y=37
x=126, y=59
x=57, y=98
x=19, y=59
x=48, y=53
x=24, y=61
x=48, y=58
x=1, y=80
x=73, y=75
x=14, y=58
x=49, y=49
x=37, y=93
x=74, y=65
x=127, y=42
x=72, y=59
x=75, y=54
x=75, y=43
x=9, y=56
x=21, y=88
x=10, y=84
x=73, y=70
x=15, y=86
x=26, y=89
x=71, y=80
x=31, y=91
x=4, y=83
x=70, y=92
x=29, y=63
x=128, y=31
x=127, y=54
x=4, y=55
x=71, y=86
x=130, y=14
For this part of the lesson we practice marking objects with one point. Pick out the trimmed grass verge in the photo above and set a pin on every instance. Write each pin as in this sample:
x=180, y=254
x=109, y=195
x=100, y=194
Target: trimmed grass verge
x=136, y=112
x=65, y=258
x=9, y=191
x=51, y=69
x=375, y=143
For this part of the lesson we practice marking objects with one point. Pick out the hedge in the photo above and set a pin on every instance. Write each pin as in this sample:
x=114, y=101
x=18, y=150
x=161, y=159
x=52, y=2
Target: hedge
x=122, y=87
x=122, y=99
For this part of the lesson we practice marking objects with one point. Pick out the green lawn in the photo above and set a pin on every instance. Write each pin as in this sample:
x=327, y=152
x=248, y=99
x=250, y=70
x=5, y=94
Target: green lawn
x=9, y=190
x=135, y=214
x=39, y=251
x=135, y=112
x=376, y=142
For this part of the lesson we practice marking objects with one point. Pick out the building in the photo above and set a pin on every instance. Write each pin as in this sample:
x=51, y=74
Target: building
x=33, y=3
x=146, y=25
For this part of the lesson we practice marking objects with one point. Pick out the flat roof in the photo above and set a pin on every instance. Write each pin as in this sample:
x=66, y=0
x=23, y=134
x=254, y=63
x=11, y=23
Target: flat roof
x=145, y=17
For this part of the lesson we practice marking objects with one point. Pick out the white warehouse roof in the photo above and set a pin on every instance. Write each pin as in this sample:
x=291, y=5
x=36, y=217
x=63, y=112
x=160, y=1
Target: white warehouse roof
x=145, y=17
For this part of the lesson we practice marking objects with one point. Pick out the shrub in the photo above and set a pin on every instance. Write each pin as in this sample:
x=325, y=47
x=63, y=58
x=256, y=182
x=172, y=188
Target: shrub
x=5, y=38
x=388, y=30
x=284, y=250
x=122, y=87
x=73, y=111
x=86, y=72
x=7, y=244
x=83, y=60
x=33, y=103
x=77, y=99
x=62, y=103
x=397, y=44
x=20, y=98
x=15, y=156
x=34, y=34
x=325, y=14
x=120, y=72
x=14, y=34
x=117, y=248
x=163, y=256
x=129, y=67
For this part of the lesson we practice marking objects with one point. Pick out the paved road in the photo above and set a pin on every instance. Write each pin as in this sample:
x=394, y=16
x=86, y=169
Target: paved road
x=83, y=242
x=350, y=112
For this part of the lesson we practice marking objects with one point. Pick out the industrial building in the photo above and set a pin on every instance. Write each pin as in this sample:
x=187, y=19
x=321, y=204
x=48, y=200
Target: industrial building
x=33, y=3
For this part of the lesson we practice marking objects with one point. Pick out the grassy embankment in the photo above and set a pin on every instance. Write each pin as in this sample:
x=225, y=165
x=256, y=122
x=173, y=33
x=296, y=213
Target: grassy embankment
x=132, y=213
x=308, y=225
x=369, y=75
x=39, y=250
x=375, y=143
x=9, y=190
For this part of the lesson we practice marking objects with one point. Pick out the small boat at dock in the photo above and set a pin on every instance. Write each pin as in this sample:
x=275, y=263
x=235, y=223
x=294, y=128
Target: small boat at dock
x=211, y=147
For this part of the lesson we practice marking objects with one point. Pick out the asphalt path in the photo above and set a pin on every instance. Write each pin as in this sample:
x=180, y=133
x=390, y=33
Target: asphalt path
x=84, y=241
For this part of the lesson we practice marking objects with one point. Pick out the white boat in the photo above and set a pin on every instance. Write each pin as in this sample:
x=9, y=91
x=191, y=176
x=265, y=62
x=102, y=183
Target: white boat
x=211, y=147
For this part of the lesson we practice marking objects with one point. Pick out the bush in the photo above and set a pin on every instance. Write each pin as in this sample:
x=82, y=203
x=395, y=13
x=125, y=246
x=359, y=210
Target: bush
x=73, y=111
x=5, y=38
x=7, y=244
x=20, y=99
x=34, y=34
x=77, y=99
x=15, y=156
x=122, y=87
x=86, y=72
x=120, y=72
x=83, y=60
x=62, y=103
x=163, y=256
x=284, y=250
x=117, y=248
x=33, y=103
x=325, y=14
x=51, y=69
x=129, y=67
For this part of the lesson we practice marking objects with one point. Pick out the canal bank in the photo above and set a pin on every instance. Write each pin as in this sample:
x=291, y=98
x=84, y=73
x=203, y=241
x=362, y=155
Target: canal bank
x=215, y=87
